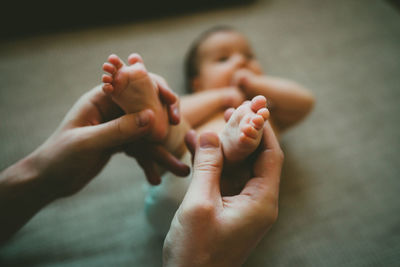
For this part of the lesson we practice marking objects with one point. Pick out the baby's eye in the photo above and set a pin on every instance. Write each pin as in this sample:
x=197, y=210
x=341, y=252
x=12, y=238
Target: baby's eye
x=223, y=59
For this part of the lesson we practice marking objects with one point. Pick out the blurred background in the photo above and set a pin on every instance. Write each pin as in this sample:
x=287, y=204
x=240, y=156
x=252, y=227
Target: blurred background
x=339, y=201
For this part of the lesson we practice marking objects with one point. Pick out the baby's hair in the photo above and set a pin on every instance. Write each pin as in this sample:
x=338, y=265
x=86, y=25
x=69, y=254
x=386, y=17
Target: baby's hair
x=191, y=60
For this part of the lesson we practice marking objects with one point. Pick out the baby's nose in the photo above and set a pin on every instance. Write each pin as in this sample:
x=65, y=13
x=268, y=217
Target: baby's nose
x=240, y=60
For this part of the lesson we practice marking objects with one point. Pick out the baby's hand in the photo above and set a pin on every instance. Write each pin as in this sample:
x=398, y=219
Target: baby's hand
x=243, y=79
x=233, y=97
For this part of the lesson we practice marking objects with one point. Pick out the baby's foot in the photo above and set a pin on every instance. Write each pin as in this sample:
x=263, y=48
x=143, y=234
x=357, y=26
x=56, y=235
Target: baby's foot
x=243, y=131
x=132, y=88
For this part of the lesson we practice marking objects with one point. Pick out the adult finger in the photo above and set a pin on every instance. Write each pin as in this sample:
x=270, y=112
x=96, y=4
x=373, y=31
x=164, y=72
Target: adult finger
x=121, y=130
x=166, y=94
x=207, y=169
x=174, y=113
x=169, y=98
x=267, y=168
x=89, y=106
x=168, y=161
x=190, y=141
x=150, y=170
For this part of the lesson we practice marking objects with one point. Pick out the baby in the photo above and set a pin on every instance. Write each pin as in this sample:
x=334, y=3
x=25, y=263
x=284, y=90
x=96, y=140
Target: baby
x=222, y=72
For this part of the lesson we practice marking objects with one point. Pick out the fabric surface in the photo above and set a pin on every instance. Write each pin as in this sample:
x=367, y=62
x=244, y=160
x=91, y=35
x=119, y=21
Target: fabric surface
x=339, y=192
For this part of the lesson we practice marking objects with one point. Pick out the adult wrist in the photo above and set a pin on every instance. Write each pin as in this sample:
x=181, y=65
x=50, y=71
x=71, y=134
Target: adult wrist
x=22, y=195
x=24, y=181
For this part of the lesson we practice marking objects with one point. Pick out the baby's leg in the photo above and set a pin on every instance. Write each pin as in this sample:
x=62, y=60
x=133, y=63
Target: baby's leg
x=243, y=131
x=132, y=88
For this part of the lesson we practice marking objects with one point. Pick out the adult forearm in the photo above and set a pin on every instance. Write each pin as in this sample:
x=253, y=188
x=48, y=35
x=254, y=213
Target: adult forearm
x=22, y=195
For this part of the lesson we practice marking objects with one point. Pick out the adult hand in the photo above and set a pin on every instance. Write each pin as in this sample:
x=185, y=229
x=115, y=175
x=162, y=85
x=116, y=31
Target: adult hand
x=211, y=230
x=151, y=156
x=92, y=131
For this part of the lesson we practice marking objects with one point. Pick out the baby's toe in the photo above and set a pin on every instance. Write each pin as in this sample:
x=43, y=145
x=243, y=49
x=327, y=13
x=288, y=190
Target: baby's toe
x=107, y=67
x=116, y=61
x=250, y=131
x=106, y=78
x=245, y=140
x=108, y=88
x=258, y=122
x=258, y=102
x=228, y=114
x=134, y=58
x=264, y=112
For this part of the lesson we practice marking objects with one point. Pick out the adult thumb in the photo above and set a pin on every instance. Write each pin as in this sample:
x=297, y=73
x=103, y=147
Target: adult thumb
x=124, y=129
x=207, y=168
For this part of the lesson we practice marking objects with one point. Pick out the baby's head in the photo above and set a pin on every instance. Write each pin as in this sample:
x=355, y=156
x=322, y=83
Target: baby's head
x=214, y=58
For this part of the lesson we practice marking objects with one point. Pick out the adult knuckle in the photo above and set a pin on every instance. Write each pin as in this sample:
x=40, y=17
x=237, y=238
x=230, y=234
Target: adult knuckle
x=203, y=166
x=119, y=128
x=207, y=166
x=126, y=127
x=278, y=156
x=204, y=209
x=199, y=210
x=281, y=155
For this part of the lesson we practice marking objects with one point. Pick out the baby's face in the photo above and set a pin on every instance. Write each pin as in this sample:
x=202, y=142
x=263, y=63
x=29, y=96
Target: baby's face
x=220, y=56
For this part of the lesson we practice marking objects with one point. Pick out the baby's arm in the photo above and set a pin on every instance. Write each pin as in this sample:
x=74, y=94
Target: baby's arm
x=288, y=101
x=198, y=107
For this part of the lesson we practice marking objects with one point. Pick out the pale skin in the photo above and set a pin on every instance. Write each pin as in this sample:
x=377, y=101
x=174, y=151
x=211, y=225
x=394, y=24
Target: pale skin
x=228, y=73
